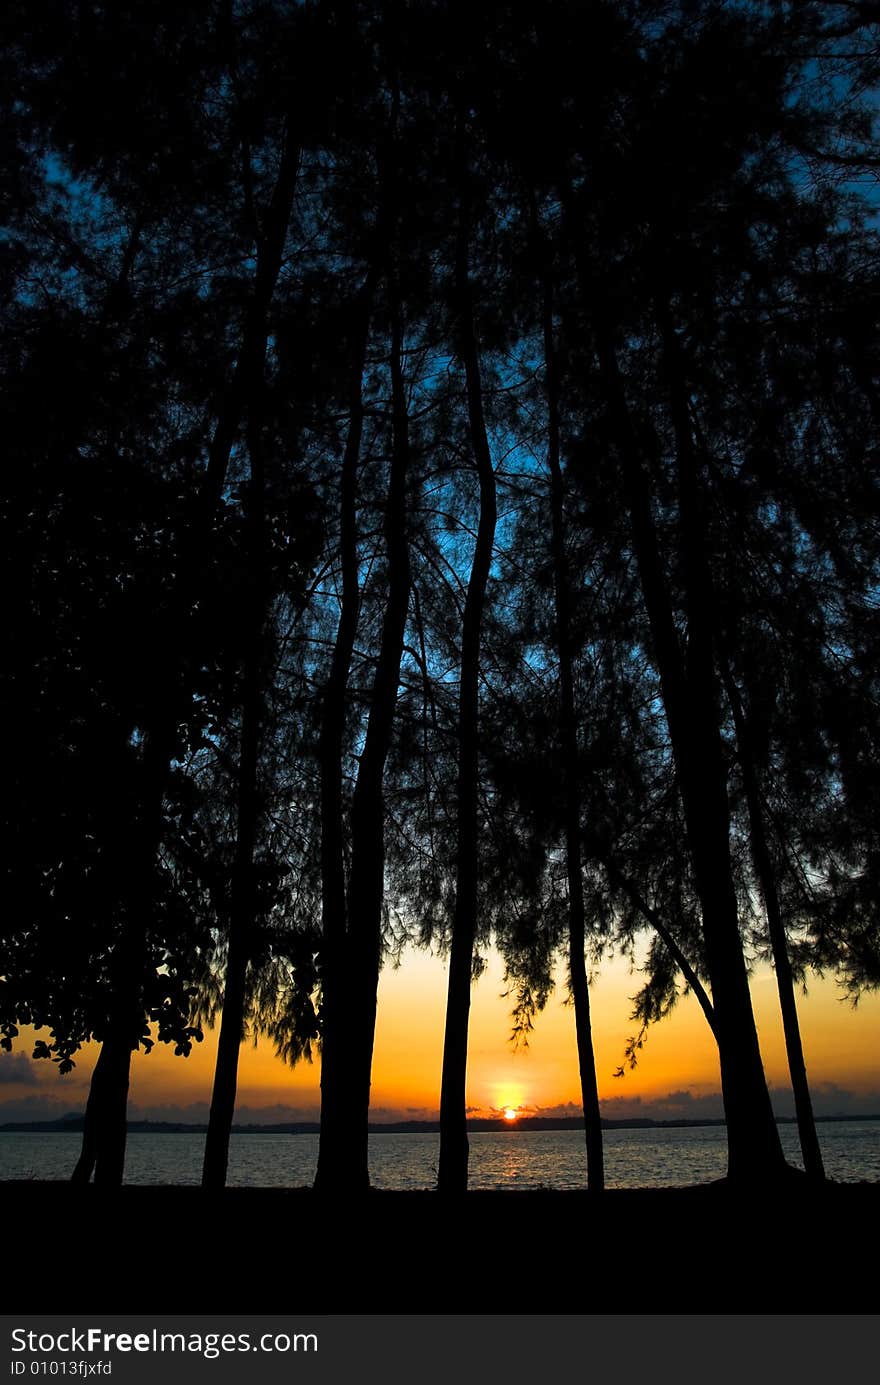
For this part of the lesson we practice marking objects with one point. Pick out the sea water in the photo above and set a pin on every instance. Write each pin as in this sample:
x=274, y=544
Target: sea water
x=504, y=1159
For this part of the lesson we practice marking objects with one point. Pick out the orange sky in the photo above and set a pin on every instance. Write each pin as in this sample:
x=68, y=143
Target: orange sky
x=677, y=1071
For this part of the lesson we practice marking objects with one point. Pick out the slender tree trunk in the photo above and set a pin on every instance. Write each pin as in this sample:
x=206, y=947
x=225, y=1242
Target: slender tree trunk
x=803, y=1105
x=577, y=925
x=668, y=940
x=161, y=732
x=346, y=1067
x=334, y=1113
x=366, y=888
x=243, y=890
x=453, y=1167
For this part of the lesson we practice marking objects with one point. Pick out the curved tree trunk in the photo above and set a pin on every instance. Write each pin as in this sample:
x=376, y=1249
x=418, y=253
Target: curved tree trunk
x=161, y=732
x=688, y=688
x=453, y=1167
x=803, y=1105
x=104, y=1129
x=690, y=697
x=666, y=937
x=105, y=1124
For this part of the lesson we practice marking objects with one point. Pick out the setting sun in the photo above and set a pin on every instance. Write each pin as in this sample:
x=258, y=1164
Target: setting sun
x=510, y=1114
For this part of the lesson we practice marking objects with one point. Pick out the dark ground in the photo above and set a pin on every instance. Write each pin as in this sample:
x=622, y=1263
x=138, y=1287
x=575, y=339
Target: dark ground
x=683, y=1250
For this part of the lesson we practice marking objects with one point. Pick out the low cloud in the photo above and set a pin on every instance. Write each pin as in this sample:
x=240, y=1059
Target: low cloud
x=564, y=1110
x=682, y=1104
x=274, y=1115
x=37, y=1108
x=829, y=1100
x=196, y=1113
x=17, y=1070
x=388, y=1115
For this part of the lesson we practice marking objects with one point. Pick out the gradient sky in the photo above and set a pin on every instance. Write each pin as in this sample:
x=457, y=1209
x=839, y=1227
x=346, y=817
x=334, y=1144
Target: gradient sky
x=677, y=1072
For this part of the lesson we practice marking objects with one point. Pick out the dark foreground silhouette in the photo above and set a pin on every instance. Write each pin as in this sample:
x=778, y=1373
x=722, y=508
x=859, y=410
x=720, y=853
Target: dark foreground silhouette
x=708, y=1249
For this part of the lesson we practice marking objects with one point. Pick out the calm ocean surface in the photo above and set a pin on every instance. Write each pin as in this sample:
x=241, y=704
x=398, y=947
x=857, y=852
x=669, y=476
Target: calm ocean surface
x=507, y=1159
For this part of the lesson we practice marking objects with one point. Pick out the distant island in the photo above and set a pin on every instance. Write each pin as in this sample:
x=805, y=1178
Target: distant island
x=73, y=1124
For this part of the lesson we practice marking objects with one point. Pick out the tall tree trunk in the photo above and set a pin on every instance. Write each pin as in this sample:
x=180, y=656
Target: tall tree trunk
x=161, y=731
x=243, y=888
x=345, y=1153
x=346, y=1066
x=334, y=1113
x=453, y=1167
x=568, y=737
x=690, y=697
x=104, y=1126
x=690, y=701
x=803, y=1105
